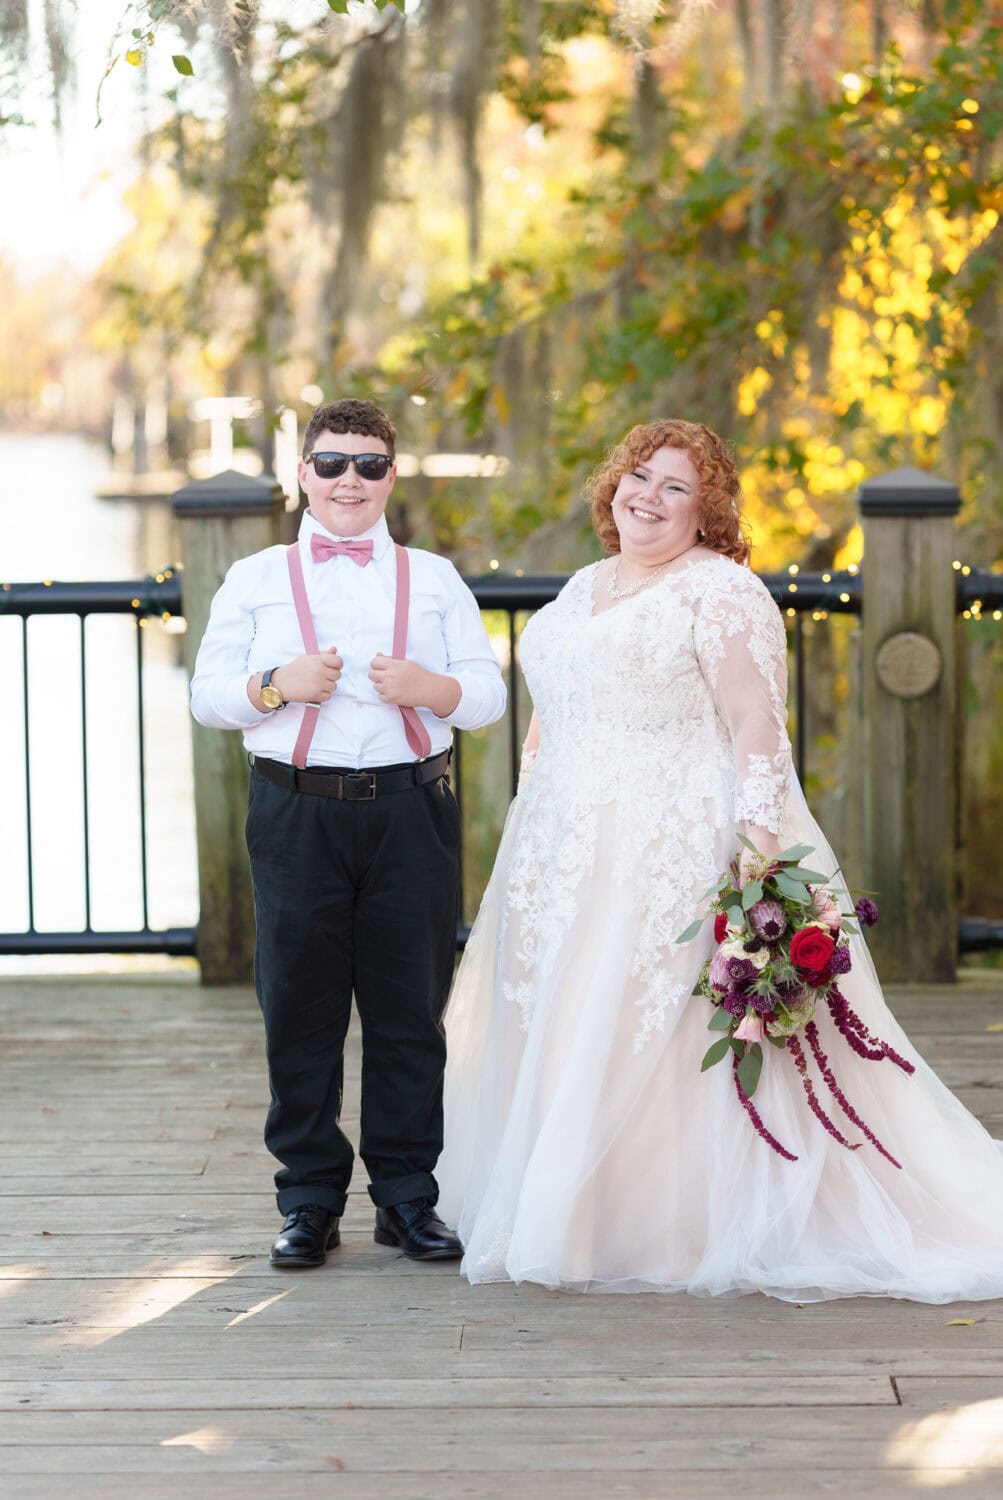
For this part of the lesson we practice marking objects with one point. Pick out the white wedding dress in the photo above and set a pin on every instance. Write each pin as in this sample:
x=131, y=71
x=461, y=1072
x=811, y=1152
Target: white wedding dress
x=584, y=1148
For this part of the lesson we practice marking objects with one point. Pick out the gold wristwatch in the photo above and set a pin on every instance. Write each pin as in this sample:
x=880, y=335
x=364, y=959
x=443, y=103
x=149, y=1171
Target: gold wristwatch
x=270, y=696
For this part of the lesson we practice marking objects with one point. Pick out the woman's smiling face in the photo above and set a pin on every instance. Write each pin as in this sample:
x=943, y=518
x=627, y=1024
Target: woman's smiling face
x=656, y=506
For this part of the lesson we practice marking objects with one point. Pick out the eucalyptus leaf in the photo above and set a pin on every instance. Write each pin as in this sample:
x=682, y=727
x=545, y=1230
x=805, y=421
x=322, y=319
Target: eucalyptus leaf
x=183, y=64
x=752, y=893
x=720, y=1020
x=796, y=852
x=715, y=1052
x=749, y=1069
x=748, y=843
x=691, y=930
x=792, y=889
x=777, y=1041
x=799, y=873
x=340, y=7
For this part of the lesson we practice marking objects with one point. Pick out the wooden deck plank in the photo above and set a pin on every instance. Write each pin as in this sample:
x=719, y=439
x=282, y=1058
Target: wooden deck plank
x=626, y=1484
x=504, y=1440
x=195, y=1393
x=137, y=1214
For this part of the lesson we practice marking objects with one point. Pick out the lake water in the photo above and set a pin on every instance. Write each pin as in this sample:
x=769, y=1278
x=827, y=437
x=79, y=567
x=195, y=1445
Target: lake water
x=52, y=526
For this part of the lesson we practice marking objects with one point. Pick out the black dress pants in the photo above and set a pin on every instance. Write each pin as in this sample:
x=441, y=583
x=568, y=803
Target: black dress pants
x=354, y=897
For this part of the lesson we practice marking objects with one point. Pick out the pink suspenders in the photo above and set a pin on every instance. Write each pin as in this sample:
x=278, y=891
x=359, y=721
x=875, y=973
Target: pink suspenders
x=414, y=729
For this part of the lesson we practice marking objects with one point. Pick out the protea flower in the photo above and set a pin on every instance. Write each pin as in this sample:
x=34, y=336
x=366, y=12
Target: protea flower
x=767, y=920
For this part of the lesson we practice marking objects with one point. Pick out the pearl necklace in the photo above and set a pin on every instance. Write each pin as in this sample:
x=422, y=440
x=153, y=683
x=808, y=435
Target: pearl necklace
x=643, y=582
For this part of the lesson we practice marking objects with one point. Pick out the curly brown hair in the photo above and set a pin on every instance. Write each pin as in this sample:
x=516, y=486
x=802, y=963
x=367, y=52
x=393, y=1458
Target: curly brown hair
x=350, y=416
x=719, y=519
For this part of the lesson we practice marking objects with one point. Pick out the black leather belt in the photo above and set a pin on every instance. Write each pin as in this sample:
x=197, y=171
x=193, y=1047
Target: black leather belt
x=354, y=786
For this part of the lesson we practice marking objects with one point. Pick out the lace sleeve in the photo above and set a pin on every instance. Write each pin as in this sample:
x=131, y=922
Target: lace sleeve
x=742, y=647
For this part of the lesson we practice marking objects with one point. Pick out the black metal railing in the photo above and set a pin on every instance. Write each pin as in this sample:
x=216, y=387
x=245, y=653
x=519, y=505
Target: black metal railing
x=160, y=596
x=799, y=595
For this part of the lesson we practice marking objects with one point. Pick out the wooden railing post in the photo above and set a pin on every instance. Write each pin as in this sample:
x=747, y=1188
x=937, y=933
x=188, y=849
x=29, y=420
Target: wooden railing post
x=909, y=729
x=222, y=518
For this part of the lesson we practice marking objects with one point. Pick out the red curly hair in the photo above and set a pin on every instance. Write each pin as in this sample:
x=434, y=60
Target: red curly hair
x=719, y=520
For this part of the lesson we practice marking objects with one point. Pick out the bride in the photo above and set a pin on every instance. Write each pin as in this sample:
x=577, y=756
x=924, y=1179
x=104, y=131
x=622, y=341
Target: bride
x=585, y=1150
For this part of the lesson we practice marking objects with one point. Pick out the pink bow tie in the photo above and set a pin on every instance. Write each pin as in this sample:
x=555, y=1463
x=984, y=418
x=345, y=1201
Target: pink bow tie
x=322, y=547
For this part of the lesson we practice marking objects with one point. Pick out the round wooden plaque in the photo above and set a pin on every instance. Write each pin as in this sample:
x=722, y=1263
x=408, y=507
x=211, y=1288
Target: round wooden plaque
x=908, y=665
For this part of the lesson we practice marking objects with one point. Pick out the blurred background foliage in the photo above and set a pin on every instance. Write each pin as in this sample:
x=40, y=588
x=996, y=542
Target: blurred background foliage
x=525, y=226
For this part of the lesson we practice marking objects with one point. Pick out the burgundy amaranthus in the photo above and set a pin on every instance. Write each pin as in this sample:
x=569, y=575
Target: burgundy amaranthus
x=755, y=1117
x=814, y=1042
x=801, y=1063
x=856, y=1034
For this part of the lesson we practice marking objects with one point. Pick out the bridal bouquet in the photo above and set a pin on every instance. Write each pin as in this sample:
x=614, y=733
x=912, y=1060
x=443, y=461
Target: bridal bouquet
x=781, y=950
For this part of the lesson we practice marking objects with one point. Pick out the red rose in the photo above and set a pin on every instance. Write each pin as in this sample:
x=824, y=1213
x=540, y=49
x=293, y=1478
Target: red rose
x=720, y=927
x=811, y=949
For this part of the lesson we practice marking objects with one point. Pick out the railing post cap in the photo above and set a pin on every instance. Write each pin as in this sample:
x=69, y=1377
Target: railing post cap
x=908, y=492
x=228, y=494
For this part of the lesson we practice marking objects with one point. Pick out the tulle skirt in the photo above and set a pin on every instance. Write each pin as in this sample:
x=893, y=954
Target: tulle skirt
x=581, y=1158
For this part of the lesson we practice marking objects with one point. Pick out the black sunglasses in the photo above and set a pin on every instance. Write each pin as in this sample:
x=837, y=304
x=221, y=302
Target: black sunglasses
x=367, y=465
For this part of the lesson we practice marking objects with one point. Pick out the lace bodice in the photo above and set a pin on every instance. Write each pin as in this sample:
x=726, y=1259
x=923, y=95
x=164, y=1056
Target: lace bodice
x=668, y=711
x=686, y=682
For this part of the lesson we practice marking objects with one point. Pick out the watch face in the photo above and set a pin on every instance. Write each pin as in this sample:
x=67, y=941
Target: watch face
x=271, y=697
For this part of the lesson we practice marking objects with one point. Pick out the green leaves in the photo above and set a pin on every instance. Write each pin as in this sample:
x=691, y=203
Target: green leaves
x=791, y=888
x=715, y=1052
x=720, y=1020
x=691, y=931
x=751, y=893
x=796, y=852
x=749, y=1069
x=183, y=64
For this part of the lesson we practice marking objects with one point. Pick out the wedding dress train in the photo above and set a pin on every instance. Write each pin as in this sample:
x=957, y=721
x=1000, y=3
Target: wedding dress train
x=584, y=1148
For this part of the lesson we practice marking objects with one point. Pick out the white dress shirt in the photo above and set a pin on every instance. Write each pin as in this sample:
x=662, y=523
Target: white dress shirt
x=253, y=626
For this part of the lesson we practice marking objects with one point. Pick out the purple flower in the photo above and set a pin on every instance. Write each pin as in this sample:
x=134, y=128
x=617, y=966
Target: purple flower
x=734, y=1004
x=762, y=1003
x=740, y=969
x=767, y=919
x=840, y=962
x=867, y=911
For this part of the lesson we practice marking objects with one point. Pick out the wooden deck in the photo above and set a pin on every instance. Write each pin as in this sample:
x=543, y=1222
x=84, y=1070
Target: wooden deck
x=148, y=1350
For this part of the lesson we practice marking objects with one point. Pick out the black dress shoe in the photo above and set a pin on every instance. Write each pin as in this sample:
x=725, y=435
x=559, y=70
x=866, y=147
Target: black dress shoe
x=309, y=1232
x=415, y=1228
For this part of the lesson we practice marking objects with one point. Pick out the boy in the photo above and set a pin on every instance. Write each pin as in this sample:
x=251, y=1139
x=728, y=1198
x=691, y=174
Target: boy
x=352, y=828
